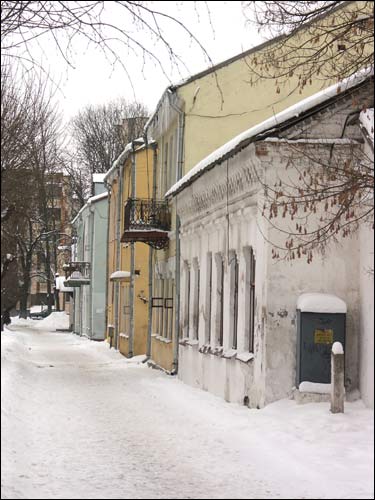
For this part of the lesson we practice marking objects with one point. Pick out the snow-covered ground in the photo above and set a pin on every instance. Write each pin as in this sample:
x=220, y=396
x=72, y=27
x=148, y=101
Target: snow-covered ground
x=78, y=420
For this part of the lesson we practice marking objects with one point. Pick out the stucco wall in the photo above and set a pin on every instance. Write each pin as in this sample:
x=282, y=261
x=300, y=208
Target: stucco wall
x=214, y=222
x=99, y=260
x=366, y=273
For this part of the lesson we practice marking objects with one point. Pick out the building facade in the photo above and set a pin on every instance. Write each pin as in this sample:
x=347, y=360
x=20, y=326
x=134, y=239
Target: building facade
x=129, y=292
x=87, y=270
x=193, y=119
x=238, y=317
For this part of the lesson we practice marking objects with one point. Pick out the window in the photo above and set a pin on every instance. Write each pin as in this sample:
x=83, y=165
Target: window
x=172, y=166
x=196, y=300
x=161, y=309
x=250, y=298
x=207, y=336
x=168, y=309
x=186, y=302
x=165, y=169
x=157, y=305
x=219, y=323
x=125, y=312
x=233, y=264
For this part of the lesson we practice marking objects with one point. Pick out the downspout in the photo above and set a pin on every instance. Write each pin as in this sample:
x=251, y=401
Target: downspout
x=132, y=262
x=180, y=160
x=91, y=228
x=118, y=255
x=108, y=186
x=151, y=258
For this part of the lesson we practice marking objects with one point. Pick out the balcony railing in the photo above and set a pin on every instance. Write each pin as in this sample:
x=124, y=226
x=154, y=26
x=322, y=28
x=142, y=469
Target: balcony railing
x=147, y=221
x=80, y=266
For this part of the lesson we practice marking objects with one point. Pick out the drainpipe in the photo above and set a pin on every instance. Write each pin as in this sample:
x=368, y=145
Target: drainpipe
x=150, y=259
x=91, y=229
x=118, y=256
x=108, y=186
x=132, y=263
x=180, y=160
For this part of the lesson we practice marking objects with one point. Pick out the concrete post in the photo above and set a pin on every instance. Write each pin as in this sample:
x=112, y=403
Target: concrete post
x=337, y=378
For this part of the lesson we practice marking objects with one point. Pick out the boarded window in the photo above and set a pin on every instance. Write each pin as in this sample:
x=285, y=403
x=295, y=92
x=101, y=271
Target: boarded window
x=207, y=335
x=196, y=300
x=250, y=298
x=219, y=321
x=233, y=265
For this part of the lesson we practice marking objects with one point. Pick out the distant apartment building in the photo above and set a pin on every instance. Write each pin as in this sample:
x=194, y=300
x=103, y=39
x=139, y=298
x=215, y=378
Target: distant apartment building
x=61, y=208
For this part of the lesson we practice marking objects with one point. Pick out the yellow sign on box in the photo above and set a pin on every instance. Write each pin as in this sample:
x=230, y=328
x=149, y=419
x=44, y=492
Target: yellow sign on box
x=323, y=336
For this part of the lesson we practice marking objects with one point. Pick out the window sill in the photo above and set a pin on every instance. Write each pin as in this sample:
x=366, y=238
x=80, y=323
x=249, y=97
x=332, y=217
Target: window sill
x=232, y=353
x=161, y=339
x=245, y=357
x=208, y=349
x=190, y=342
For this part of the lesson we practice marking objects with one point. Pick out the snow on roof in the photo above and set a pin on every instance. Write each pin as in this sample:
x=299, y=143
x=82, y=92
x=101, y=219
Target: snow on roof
x=320, y=303
x=97, y=197
x=93, y=199
x=243, y=139
x=98, y=177
x=366, y=118
x=120, y=275
x=60, y=284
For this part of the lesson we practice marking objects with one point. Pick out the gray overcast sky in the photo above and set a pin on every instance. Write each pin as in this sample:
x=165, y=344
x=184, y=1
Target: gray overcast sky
x=93, y=79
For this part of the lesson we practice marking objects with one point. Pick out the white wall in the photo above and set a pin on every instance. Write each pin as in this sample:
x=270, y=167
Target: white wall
x=366, y=274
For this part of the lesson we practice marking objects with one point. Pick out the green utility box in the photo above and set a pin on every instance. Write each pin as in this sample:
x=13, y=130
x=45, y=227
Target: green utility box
x=321, y=321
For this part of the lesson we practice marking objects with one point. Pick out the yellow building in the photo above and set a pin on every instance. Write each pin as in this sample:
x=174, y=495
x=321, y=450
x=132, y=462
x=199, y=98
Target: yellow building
x=193, y=119
x=129, y=183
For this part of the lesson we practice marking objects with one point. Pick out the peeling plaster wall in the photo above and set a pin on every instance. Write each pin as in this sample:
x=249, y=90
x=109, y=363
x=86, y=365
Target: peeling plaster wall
x=221, y=212
x=205, y=230
x=335, y=272
x=366, y=270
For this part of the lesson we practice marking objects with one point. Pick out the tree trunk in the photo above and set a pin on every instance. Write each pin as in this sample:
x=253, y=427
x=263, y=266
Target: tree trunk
x=51, y=298
x=23, y=299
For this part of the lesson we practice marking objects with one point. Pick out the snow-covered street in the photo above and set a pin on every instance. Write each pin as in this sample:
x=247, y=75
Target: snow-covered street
x=81, y=421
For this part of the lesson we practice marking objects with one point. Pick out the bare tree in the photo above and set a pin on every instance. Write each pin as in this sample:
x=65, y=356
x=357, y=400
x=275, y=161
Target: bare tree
x=330, y=197
x=321, y=196
x=30, y=143
x=116, y=27
x=324, y=40
x=101, y=132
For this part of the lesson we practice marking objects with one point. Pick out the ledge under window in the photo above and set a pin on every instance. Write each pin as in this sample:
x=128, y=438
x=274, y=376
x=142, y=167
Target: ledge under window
x=161, y=339
x=187, y=341
x=245, y=357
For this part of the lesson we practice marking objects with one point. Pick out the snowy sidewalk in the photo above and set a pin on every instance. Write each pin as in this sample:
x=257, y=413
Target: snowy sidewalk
x=81, y=421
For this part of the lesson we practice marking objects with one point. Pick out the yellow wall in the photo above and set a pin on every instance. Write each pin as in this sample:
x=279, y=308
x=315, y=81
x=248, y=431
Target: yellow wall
x=218, y=106
x=143, y=186
x=211, y=121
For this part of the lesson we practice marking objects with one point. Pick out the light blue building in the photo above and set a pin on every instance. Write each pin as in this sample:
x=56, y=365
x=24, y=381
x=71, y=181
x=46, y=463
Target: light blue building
x=88, y=266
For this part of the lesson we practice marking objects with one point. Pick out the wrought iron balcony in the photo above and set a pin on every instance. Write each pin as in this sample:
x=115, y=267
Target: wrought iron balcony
x=82, y=267
x=147, y=221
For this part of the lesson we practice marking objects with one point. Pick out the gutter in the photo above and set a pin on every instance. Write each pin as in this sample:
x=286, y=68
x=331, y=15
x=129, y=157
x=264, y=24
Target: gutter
x=180, y=160
x=132, y=260
x=108, y=185
x=150, y=261
x=118, y=254
x=91, y=229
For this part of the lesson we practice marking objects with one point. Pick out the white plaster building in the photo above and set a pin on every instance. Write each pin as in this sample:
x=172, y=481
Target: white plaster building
x=238, y=318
